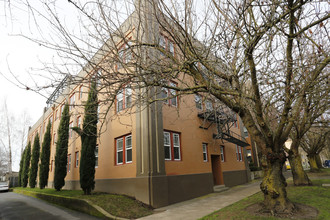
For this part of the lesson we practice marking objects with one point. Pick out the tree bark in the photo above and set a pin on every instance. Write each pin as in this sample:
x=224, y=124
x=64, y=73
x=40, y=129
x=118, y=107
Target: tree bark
x=300, y=177
x=318, y=161
x=313, y=163
x=274, y=185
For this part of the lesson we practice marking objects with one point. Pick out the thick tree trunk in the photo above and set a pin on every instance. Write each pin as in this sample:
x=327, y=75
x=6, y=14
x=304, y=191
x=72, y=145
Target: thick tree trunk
x=273, y=186
x=313, y=163
x=300, y=177
x=318, y=161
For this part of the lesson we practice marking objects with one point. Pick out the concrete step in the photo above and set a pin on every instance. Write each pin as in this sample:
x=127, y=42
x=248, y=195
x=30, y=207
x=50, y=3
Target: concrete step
x=219, y=188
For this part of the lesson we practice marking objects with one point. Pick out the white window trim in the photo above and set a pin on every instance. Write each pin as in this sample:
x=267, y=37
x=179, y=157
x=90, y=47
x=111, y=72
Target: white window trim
x=222, y=153
x=117, y=151
x=97, y=156
x=77, y=159
x=177, y=146
x=126, y=149
x=205, y=152
x=239, y=155
x=169, y=145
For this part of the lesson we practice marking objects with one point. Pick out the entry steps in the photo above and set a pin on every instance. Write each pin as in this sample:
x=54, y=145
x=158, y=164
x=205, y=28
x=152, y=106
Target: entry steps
x=220, y=188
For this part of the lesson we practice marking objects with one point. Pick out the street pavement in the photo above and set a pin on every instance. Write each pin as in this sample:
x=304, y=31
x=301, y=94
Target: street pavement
x=19, y=207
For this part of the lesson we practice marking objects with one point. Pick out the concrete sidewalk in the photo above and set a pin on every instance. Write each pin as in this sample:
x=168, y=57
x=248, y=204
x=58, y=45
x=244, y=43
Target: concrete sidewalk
x=202, y=206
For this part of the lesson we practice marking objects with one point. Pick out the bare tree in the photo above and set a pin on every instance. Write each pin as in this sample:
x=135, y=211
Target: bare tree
x=313, y=143
x=7, y=134
x=245, y=55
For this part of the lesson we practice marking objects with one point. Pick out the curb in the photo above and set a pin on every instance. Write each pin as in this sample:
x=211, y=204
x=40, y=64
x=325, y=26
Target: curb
x=76, y=204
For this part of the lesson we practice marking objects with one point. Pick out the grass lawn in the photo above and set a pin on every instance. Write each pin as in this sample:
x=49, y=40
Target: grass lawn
x=117, y=205
x=316, y=196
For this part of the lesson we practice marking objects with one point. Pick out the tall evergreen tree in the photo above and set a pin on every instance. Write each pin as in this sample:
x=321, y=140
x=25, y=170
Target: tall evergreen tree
x=62, y=149
x=34, y=162
x=88, y=142
x=20, y=173
x=26, y=165
x=45, y=155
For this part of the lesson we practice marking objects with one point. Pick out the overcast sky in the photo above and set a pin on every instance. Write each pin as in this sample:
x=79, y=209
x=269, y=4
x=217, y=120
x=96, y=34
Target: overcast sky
x=19, y=57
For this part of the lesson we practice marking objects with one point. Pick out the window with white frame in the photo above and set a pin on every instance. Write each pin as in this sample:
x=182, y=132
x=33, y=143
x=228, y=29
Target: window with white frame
x=172, y=146
x=124, y=98
x=222, y=153
x=239, y=153
x=167, y=145
x=209, y=105
x=128, y=149
x=128, y=97
x=204, y=152
x=62, y=109
x=198, y=101
x=246, y=133
x=124, y=150
x=120, y=101
x=166, y=44
x=72, y=101
x=169, y=95
x=77, y=159
x=124, y=54
x=96, y=156
x=80, y=92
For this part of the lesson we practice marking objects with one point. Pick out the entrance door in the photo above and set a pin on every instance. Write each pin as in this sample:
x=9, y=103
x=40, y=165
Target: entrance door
x=216, y=169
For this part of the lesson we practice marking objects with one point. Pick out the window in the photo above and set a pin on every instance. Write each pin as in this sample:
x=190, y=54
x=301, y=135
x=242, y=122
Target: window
x=171, y=47
x=162, y=41
x=204, y=152
x=246, y=133
x=169, y=95
x=62, y=108
x=69, y=163
x=77, y=159
x=222, y=153
x=124, y=150
x=124, y=54
x=172, y=146
x=239, y=153
x=124, y=98
x=70, y=129
x=209, y=105
x=198, y=101
x=78, y=121
x=128, y=96
x=96, y=156
x=167, y=145
x=80, y=92
x=72, y=101
x=120, y=101
x=119, y=149
x=128, y=148
x=166, y=44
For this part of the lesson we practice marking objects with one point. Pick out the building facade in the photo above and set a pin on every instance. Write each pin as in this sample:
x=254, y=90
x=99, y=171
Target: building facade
x=159, y=152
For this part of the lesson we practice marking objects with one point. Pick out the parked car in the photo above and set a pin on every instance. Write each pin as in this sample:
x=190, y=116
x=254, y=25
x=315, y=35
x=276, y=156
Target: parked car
x=327, y=163
x=4, y=186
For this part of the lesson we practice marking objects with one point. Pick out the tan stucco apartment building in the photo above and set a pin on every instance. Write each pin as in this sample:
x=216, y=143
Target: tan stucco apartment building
x=161, y=152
